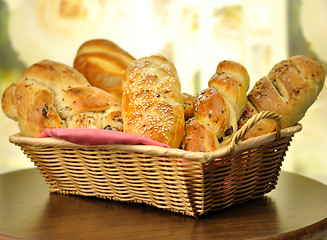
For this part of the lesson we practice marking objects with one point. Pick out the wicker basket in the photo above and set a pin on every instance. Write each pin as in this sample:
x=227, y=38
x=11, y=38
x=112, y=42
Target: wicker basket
x=191, y=183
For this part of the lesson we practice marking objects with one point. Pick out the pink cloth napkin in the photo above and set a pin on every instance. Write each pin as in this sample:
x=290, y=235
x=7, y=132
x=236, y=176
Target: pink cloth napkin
x=84, y=136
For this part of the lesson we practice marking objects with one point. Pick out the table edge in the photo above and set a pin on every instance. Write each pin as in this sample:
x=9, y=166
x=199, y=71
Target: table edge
x=316, y=231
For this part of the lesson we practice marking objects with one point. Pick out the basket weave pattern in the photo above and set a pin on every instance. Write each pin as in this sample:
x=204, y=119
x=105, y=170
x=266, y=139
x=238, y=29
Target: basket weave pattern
x=171, y=179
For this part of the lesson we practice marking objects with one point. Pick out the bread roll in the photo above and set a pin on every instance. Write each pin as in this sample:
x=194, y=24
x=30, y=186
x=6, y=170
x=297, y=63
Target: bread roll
x=289, y=89
x=264, y=126
x=152, y=103
x=54, y=95
x=206, y=140
x=36, y=109
x=211, y=117
x=103, y=64
x=217, y=109
x=232, y=80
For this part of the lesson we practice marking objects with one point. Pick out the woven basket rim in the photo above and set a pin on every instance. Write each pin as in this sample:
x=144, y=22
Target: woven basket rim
x=18, y=139
x=192, y=183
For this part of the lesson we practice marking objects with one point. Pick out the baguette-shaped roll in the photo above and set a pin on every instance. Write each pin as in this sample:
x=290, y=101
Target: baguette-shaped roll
x=289, y=89
x=217, y=109
x=152, y=103
x=54, y=95
x=103, y=64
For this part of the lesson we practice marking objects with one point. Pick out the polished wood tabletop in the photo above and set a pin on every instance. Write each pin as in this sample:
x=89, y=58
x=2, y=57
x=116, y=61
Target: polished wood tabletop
x=296, y=209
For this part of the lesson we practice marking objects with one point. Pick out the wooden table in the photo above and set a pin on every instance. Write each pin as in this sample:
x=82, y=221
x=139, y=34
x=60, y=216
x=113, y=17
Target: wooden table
x=296, y=209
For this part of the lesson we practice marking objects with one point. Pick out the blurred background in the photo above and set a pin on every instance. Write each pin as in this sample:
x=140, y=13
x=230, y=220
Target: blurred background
x=194, y=35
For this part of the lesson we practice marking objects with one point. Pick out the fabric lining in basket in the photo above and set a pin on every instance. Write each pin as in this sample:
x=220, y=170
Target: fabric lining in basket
x=191, y=183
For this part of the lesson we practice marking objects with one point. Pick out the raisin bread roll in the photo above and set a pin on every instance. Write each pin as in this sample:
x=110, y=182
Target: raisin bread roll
x=54, y=95
x=206, y=140
x=217, y=109
x=103, y=64
x=289, y=89
x=152, y=102
x=35, y=105
x=211, y=115
x=232, y=80
x=110, y=119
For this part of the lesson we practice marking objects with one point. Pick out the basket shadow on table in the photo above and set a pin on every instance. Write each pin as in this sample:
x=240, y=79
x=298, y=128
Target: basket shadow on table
x=141, y=221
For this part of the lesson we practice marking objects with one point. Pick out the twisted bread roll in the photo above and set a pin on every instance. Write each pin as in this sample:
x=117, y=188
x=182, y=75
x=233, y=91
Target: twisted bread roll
x=199, y=137
x=201, y=131
x=232, y=80
x=103, y=64
x=54, y=95
x=217, y=109
x=289, y=89
x=152, y=103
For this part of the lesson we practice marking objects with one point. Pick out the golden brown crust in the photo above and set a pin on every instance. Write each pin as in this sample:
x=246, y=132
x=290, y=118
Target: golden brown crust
x=85, y=120
x=112, y=119
x=109, y=120
x=265, y=96
x=231, y=90
x=36, y=109
x=232, y=80
x=54, y=95
x=311, y=69
x=262, y=127
x=289, y=89
x=236, y=70
x=54, y=75
x=77, y=100
x=199, y=138
x=212, y=109
x=219, y=107
x=105, y=46
x=152, y=101
x=103, y=63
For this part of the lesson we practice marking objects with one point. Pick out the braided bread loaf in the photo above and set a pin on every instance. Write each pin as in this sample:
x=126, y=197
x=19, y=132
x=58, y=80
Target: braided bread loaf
x=217, y=109
x=152, y=102
x=289, y=89
x=103, y=64
x=54, y=95
x=201, y=130
x=232, y=81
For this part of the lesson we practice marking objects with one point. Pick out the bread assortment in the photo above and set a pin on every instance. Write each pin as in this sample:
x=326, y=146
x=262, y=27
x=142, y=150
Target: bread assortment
x=107, y=88
x=217, y=109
